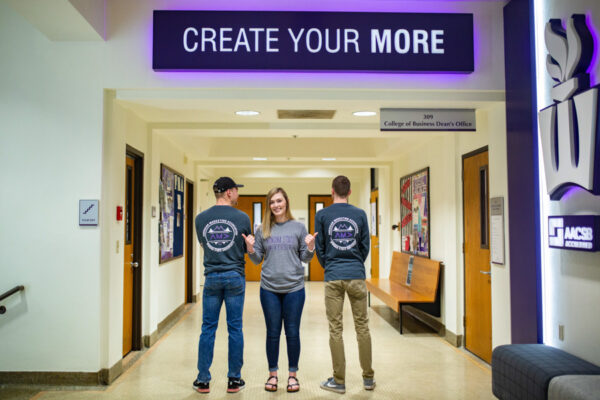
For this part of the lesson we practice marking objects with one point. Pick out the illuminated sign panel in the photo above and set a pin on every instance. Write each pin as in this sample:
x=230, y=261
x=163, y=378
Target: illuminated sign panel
x=574, y=232
x=320, y=41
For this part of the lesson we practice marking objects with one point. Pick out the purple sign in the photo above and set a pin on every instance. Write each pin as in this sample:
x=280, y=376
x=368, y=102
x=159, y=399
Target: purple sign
x=325, y=41
x=574, y=232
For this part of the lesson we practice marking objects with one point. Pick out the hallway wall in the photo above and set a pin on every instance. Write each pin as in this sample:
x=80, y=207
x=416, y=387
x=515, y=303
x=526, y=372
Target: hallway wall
x=571, y=279
x=443, y=156
x=55, y=150
x=162, y=284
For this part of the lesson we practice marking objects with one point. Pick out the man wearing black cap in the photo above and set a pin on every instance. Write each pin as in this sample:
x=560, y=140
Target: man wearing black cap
x=219, y=231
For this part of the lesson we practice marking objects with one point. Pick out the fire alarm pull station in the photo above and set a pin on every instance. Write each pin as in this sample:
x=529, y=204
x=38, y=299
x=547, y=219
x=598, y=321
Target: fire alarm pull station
x=119, y=213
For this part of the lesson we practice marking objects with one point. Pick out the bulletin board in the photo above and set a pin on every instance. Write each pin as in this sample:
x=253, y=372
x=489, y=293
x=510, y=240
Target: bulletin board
x=170, y=226
x=414, y=213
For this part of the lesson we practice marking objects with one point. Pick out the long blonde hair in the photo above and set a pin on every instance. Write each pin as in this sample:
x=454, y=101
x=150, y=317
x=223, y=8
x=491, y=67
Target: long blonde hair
x=269, y=218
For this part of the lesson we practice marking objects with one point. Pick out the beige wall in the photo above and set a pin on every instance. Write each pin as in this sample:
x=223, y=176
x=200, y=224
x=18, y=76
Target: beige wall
x=443, y=155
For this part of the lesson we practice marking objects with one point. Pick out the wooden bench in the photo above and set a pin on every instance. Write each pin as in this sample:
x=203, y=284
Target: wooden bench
x=423, y=292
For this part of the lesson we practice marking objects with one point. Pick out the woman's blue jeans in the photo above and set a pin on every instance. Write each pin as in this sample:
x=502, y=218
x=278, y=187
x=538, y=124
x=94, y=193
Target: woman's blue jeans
x=229, y=287
x=286, y=308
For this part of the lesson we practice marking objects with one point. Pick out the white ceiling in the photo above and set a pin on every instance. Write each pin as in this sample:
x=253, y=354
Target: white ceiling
x=203, y=123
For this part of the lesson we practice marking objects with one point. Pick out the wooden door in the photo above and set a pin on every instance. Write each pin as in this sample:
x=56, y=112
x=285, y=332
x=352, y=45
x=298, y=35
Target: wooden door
x=128, y=255
x=374, y=224
x=254, y=206
x=315, y=203
x=478, y=279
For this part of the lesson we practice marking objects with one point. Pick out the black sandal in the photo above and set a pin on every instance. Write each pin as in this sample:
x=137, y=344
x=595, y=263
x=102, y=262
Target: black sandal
x=273, y=387
x=290, y=386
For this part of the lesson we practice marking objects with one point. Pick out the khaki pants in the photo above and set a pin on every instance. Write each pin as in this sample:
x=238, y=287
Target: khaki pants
x=334, y=303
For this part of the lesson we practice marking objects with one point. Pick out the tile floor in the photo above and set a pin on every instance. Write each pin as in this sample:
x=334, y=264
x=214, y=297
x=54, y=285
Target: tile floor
x=416, y=365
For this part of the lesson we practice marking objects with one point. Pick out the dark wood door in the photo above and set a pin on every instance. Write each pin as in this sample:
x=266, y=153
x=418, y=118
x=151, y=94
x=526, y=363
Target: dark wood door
x=254, y=207
x=478, y=300
x=315, y=203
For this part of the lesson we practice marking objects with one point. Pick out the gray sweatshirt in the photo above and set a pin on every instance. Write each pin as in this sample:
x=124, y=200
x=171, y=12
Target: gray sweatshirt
x=283, y=253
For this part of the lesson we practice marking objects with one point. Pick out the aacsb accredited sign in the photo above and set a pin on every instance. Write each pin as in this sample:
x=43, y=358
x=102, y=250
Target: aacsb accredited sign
x=411, y=119
x=574, y=232
x=343, y=41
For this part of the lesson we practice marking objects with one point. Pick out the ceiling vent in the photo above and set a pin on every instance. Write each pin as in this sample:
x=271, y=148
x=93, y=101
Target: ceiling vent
x=305, y=114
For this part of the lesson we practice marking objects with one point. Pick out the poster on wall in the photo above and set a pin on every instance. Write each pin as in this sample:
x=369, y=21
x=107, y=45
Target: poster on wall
x=414, y=213
x=170, y=225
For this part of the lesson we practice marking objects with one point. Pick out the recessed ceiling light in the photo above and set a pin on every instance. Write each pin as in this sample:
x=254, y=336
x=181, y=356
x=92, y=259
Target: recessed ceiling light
x=364, y=113
x=247, y=113
x=328, y=158
x=259, y=158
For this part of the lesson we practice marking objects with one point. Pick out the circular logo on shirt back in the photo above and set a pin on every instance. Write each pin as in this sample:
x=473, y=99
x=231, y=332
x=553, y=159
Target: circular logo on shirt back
x=343, y=233
x=219, y=235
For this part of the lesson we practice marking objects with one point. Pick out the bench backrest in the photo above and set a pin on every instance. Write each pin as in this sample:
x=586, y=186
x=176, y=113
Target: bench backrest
x=425, y=273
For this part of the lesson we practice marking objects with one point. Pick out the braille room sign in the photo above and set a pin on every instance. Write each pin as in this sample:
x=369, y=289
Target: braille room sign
x=321, y=41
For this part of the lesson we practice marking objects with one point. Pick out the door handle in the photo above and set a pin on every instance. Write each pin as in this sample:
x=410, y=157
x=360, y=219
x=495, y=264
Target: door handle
x=134, y=264
x=486, y=272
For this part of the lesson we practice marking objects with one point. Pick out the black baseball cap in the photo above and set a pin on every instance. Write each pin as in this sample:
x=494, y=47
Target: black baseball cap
x=224, y=183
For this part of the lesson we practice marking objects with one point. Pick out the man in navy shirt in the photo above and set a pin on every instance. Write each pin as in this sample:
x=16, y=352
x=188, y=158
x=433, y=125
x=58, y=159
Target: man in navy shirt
x=342, y=247
x=219, y=230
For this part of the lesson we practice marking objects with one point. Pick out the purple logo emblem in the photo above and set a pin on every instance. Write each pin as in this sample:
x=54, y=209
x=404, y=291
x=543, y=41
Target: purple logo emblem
x=219, y=235
x=343, y=232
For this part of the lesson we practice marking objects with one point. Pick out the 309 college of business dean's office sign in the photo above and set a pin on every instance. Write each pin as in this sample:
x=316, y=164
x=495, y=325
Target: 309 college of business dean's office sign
x=341, y=41
x=569, y=128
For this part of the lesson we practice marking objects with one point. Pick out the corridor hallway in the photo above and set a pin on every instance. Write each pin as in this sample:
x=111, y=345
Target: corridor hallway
x=418, y=365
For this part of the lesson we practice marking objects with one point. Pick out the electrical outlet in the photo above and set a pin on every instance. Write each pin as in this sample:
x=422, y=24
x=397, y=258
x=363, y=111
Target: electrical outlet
x=561, y=332
x=117, y=247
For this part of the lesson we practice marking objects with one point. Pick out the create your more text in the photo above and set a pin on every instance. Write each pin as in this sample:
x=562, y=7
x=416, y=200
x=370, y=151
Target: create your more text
x=313, y=40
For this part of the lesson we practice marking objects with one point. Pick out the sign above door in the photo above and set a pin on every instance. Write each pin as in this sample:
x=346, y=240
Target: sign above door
x=312, y=41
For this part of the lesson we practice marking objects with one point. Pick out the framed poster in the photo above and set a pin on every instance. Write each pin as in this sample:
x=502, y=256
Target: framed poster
x=414, y=213
x=170, y=225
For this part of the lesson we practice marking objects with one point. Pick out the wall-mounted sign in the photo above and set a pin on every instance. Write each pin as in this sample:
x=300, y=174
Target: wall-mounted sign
x=497, y=230
x=413, y=119
x=88, y=212
x=569, y=128
x=574, y=232
x=341, y=41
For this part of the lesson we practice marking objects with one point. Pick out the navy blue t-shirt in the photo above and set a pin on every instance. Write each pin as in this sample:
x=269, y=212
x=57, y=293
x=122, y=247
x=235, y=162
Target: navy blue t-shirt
x=219, y=231
x=343, y=241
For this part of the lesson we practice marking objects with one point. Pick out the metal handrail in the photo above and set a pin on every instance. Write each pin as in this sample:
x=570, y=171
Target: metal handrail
x=8, y=294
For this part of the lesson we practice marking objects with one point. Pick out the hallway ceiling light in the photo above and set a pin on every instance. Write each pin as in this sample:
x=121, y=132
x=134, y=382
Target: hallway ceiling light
x=364, y=113
x=247, y=113
x=328, y=158
x=259, y=158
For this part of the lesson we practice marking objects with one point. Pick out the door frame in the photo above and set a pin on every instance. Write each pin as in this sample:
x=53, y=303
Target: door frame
x=189, y=240
x=462, y=180
x=252, y=220
x=136, y=329
x=308, y=209
x=255, y=195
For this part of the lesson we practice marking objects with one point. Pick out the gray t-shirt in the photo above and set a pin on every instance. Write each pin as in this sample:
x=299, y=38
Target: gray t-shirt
x=283, y=253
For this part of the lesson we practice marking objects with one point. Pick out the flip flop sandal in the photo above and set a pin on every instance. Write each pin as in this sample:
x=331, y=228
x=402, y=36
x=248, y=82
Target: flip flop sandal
x=270, y=387
x=293, y=387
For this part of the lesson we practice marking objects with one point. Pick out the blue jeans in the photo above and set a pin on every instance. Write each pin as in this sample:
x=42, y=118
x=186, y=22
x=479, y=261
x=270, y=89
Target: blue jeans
x=286, y=308
x=218, y=286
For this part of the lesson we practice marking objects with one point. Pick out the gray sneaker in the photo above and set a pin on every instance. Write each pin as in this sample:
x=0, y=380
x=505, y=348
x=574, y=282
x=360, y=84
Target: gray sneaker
x=332, y=386
x=369, y=383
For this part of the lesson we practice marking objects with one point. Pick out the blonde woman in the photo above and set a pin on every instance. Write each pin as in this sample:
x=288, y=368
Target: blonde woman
x=284, y=244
